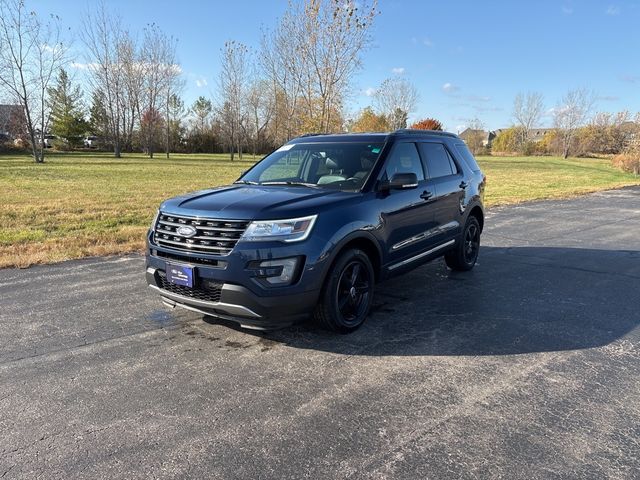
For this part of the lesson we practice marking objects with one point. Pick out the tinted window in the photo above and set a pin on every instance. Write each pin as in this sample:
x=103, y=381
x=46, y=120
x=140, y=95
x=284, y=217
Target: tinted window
x=438, y=160
x=464, y=152
x=403, y=159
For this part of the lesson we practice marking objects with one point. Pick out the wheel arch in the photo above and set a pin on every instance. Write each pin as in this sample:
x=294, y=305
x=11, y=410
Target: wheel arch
x=476, y=211
x=363, y=241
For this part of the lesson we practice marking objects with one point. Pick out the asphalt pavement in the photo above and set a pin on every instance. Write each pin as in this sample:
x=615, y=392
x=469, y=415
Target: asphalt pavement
x=527, y=367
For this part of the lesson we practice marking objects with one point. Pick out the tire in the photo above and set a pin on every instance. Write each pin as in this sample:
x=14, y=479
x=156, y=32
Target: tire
x=347, y=294
x=463, y=257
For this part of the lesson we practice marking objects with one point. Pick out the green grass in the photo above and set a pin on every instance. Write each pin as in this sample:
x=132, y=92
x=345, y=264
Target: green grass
x=78, y=205
x=519, y=179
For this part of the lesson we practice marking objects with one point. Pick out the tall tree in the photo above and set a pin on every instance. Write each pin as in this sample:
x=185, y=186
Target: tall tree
x=396, y=98
x=105, y=41
x=67, y=111
x=98, y=116
x=157, y=64
x=527, y=112
x=570, y=114
x=31, y=52
x=201, y=112
x=175, y=115
x=310, y=60
x=233, y=85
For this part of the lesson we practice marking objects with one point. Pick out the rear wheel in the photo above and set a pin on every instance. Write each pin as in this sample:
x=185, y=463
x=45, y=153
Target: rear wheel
x=463, y=257
x=347, y=295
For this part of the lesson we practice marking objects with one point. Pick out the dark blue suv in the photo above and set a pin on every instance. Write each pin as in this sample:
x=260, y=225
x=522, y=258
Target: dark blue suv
x=312, y=227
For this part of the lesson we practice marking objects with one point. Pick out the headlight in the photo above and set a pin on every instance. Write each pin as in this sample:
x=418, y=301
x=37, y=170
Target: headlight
x=291, y=230
x=155, y=219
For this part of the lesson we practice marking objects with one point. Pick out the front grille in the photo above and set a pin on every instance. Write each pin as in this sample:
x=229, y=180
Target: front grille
x=209, y=291
x=217, y=237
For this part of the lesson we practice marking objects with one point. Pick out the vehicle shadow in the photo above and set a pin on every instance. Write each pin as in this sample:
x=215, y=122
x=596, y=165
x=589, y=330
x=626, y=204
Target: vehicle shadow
x=516, y=300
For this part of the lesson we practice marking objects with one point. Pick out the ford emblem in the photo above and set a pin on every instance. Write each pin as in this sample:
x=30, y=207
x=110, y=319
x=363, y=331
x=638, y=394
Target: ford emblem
x=186, y=231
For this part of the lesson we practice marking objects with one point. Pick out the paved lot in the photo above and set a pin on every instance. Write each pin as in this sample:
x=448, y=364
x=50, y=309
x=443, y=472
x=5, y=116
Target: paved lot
x=527, y=367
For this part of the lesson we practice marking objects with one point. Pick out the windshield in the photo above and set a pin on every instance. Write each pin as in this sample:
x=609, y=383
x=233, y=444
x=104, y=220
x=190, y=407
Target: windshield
x=340, y=166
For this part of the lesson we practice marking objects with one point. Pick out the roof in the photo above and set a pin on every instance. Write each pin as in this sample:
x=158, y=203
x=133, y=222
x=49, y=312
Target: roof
x=368, y=136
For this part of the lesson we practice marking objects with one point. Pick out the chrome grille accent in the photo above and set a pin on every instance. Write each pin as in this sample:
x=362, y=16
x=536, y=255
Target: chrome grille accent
x=216, y=237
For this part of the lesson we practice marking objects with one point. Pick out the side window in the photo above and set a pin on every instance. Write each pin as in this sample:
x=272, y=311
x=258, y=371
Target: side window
x=403, y=159
x=468, y=156
x=438, y=161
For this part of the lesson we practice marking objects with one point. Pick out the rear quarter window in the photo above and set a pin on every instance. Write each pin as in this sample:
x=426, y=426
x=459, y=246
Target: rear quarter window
x=467, y=156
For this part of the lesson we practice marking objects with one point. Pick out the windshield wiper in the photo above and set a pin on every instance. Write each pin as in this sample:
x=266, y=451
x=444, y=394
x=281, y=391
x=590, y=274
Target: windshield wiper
x=291, y=184
x=246, y=182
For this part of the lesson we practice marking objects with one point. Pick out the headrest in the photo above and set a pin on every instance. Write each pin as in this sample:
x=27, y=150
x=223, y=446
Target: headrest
x=331, y=163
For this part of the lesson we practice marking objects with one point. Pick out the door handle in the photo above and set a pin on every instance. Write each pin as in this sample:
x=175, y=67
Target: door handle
x=463, y=185
x=426, y=195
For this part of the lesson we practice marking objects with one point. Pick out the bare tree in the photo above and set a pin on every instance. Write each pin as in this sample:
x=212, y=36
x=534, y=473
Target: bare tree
x=570, y=114
x=261, y=109
x=527, y=112
x=31, y=52
x=310, y=60
x=104, y=39
x=335, y=35
x=396, y=98
x=159, y=71
x=233, y=85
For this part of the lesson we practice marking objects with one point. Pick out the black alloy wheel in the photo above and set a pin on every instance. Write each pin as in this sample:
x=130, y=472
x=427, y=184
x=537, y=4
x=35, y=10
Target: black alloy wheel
x=348, y=293
x=464, y=254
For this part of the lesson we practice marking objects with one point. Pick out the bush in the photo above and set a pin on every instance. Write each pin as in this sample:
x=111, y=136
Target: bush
x=629, y=161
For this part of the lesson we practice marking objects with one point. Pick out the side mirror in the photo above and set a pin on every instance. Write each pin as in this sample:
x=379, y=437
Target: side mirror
x=400, y=181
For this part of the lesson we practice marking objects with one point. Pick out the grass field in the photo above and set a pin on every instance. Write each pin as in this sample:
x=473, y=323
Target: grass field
x=78, y=205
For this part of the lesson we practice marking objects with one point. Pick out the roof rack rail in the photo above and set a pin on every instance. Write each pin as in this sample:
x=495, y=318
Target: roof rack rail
x=415, y=131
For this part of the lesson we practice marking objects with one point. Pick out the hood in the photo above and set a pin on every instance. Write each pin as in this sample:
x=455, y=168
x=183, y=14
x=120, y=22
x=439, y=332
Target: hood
x=256, y=202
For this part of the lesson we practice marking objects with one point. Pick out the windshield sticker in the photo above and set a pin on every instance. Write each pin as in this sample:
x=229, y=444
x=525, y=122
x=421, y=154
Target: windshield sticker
x=375, y=150
x=284, y=148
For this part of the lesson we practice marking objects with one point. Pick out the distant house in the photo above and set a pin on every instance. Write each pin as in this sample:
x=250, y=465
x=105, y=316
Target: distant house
x=536, y=134
x=470, y=135
x=12, y=123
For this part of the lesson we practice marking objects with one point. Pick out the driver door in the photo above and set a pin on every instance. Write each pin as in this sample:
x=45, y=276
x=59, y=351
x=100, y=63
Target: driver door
x=407, y=215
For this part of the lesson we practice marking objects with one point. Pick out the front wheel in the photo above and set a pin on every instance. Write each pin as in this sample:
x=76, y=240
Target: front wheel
x=347, y=295
x=464, y=255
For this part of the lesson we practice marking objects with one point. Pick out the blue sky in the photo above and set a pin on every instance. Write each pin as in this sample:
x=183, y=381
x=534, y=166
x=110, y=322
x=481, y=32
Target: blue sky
x=467, y=58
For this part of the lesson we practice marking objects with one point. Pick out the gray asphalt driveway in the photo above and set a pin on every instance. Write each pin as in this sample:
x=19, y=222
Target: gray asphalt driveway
x=527, y=367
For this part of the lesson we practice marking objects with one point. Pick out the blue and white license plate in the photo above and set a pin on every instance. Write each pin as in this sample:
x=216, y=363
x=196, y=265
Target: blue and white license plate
x=180, y=274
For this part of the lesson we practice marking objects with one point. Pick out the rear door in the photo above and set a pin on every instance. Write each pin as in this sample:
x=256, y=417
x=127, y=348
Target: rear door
x=448, y=182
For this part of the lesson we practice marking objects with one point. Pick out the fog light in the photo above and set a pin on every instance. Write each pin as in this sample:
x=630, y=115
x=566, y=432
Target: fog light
x=279, y=272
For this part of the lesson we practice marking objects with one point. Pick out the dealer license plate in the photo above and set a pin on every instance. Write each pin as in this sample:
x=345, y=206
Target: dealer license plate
x=180, y=274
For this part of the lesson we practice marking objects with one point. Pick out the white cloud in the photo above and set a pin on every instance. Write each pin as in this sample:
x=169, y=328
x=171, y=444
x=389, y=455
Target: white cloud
x=370, y=92
x=84, y=66
x=398, y=70
x=567, y=10
x=449, y=88
x=201, y=82
x=613, y=10
x=428, y=42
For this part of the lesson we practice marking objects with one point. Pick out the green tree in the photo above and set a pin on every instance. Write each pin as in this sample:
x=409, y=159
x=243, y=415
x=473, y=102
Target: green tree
x=98, y=117
x=67, y=112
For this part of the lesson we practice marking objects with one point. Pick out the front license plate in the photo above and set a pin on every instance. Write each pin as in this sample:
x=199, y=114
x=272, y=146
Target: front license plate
x=180, y=274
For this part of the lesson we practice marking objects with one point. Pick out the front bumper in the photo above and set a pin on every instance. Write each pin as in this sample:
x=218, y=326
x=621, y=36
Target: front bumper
x=235, y=303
